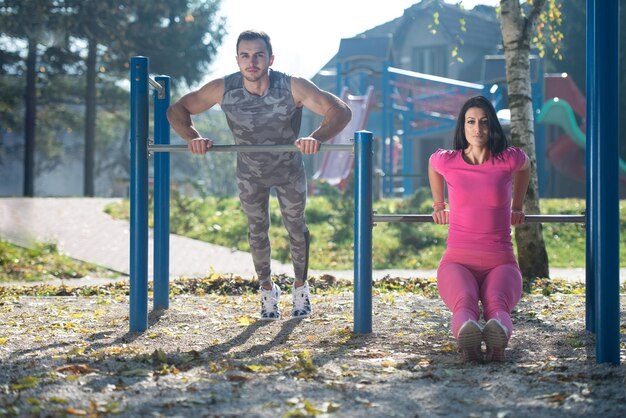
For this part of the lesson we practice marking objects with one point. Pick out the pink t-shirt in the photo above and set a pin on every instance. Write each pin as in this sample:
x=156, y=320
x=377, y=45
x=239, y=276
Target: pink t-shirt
x=479, y=198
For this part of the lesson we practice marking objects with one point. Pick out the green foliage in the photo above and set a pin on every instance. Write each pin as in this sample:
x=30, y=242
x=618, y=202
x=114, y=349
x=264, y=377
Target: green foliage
x=42, y=262
x=212, y=174
x=331, y=221
x=565, y=243
x=181, y=37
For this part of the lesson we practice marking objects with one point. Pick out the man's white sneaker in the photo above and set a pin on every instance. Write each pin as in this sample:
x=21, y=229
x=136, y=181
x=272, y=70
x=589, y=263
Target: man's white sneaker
x=301, y=301
x=269, y=303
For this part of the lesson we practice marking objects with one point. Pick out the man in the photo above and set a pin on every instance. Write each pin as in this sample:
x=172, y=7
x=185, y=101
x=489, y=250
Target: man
x=263, y=106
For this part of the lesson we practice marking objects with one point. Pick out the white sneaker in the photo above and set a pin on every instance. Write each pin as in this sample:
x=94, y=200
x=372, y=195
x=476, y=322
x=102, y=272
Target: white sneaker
x=470, y=340
x=496, y=340
x=301, y=301
x=269, y=303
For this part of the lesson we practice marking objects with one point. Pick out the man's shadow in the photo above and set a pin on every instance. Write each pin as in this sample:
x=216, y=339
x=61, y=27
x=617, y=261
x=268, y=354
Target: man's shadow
x=218, y=350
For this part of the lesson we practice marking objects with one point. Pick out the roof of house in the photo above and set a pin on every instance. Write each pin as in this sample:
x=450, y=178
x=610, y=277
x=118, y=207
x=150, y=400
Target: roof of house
x=480, y=24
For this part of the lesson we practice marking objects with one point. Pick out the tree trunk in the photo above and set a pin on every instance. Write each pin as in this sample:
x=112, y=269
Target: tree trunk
x=90, y=120
x=516, y=35
x=30, y=120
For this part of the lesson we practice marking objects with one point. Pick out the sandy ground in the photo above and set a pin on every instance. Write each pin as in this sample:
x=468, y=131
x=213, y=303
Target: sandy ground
x=207, y=356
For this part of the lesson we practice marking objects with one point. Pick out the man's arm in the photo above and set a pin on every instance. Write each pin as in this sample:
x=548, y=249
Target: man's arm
x=179, y=114
x=335, y=112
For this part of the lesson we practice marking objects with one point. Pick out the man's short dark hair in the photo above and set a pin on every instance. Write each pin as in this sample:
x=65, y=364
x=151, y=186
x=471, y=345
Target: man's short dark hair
x=251, y=35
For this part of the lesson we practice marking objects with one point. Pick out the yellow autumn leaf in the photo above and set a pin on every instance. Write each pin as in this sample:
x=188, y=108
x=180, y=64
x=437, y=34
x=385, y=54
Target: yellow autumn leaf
x=330, y=407
x=58, y=400
x=245, y=321
x=76, y=351
x=27, y=382
x=310, y=409
x=255, y=368
x=449, y=348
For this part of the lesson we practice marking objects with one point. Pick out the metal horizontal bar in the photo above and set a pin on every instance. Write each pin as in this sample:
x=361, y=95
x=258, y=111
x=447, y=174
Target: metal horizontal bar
x=156, y=85
x=249, y=148
x=405, y=175
x=528, y=218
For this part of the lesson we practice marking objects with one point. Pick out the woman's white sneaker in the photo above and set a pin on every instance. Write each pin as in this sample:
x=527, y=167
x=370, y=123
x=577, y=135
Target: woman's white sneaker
x=470, y=340
x=496, y=339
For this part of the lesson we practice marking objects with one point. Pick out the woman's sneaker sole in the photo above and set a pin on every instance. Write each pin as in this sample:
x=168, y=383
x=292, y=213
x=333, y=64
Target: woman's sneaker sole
x=496, y=340
x=470, y=339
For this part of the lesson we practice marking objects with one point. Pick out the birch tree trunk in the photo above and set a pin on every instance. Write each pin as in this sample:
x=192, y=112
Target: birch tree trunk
x=517, y=31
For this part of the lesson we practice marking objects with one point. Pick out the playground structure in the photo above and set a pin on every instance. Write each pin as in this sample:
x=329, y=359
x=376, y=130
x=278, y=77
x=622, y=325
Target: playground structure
x=565, y=105
x=415, y=113
x=336, y=168
x=602, y=285
x=408, y=109
x=423, y=106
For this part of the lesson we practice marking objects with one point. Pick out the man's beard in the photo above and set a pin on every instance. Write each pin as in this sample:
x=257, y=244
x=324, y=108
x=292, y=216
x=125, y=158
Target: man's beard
x=253, y=77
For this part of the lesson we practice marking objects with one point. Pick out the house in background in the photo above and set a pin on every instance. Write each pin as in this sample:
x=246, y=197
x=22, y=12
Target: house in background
x=422, y=66
x=431, y=38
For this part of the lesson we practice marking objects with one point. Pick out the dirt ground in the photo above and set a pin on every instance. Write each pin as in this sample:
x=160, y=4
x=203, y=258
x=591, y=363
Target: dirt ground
x=207, y=356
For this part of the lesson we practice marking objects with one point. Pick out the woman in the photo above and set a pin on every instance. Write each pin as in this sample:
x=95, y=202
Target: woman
x=479, y=264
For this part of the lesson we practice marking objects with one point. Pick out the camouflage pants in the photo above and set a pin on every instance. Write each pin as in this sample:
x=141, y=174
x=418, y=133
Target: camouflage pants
x=254, y=195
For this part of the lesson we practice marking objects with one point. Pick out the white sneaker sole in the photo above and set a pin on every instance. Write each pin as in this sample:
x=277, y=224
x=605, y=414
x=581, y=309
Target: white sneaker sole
x=470, y=340
x=496, y=340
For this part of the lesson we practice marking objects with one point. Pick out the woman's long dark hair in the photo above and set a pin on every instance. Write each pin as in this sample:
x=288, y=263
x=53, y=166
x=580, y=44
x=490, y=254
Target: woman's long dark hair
x=497, y=141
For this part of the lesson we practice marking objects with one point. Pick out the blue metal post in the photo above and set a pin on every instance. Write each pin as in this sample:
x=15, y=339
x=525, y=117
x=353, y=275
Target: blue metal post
x=139, y=194
x=591, y=159
x=161, y=197
x=605, y=176
x=363, y=233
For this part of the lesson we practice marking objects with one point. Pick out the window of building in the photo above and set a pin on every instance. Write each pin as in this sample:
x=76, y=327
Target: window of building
x=430, y=60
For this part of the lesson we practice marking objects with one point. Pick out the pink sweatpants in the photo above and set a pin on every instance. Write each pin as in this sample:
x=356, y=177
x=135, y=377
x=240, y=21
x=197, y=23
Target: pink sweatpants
x=467, y=277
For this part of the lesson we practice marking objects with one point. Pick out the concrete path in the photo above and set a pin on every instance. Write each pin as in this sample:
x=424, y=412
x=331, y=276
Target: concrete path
x=82, y=230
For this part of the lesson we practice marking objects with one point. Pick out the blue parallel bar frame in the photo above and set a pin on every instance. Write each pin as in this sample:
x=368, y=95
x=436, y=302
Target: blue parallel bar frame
x=605, y=140
x=139, y=194
x=591, y=161
x=363, y=233
x=161, y=197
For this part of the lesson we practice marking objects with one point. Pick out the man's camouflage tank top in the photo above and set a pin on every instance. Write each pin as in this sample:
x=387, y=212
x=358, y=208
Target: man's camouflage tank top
x=272, y=118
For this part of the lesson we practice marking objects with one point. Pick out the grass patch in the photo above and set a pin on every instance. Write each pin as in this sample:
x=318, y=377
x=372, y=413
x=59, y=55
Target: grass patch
x=331, y=221
x=42, y=262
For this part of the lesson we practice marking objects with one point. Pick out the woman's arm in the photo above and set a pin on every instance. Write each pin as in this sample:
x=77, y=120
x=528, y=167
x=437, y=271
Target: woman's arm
x=437, y=185
x=520, y=185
